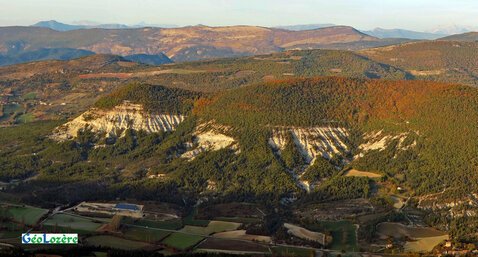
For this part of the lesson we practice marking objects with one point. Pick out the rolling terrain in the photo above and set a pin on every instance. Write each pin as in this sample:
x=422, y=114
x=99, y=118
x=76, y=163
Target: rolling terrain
x=467, y=37
x=187, y=43
x=446, y=61
x=38, y=90
x=280, y=141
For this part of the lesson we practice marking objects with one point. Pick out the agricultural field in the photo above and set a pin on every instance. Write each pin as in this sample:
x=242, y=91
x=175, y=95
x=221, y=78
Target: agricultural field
x=293, y=251
x=424, y=239
x=344, y=234
x=9, y=110
x=182, y=241
x=192, y=221
x=358, y=173
x=115, y=242
x=70, y=222
x=306, y=234
x=232, y=245
x=20, y=214
x=212, y=227
x=173, y=224
x=144, y=234
x=10, y=230
x=241, y=235
x=25, y=118
x=30, y=96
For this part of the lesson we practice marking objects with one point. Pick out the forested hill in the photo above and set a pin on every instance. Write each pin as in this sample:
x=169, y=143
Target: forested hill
x=153, y=98
x=442, y=116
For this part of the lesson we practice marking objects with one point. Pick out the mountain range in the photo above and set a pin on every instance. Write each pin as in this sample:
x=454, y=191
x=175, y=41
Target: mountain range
x=59, y=26
x=187, y=43
x=403, y=33
x=346, y=144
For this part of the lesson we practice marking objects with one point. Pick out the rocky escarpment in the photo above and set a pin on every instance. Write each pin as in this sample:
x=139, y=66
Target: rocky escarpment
x=209, y=137
x=379, y=141
x=113, y=122
x=313, y=142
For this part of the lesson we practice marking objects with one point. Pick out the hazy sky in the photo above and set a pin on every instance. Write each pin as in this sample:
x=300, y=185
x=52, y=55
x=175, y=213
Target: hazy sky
x=363, y=14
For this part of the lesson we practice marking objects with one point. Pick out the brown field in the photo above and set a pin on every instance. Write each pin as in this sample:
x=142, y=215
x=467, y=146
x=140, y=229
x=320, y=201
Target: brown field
x=398, y=230
x=241, y=234
x=420, y=239
x=425, y=244
x=357, y=173
x=304, y=233
x=232, y=245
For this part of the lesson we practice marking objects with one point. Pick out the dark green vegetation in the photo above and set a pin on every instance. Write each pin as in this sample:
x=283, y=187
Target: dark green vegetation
x=43, y=54
x=154, y=99
x=149, y=59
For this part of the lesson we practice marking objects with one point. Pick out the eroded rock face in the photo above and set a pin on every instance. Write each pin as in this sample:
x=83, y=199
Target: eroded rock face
x=114, y=121
x=209, y=137
x=313, y=142
x=379, y=141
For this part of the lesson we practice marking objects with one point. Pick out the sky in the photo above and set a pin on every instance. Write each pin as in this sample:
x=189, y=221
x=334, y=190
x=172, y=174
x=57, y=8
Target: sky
x=363, y=14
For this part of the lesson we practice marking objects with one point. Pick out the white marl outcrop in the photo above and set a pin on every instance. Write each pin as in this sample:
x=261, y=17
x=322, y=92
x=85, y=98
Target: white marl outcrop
x=313, y=142
x=209, y=137
x=120, y=118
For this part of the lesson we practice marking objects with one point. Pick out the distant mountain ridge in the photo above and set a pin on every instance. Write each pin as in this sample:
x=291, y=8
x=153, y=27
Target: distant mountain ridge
x=62, y=54
x=306, y=26
x=402, y=33
x=187, y=43
x=59, y=26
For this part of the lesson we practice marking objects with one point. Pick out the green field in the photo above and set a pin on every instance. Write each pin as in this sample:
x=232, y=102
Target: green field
x=72, y=223
x=115, y=242
x=182, y=241
x=10, y=230
x=9, y=110
x=190, y=220
x=30, y=96
x=170, y=224
x=343, y=233
x=25, y=118
x=239, y=219
x=213, y=227
x=27, y=215
x=144, y=234
x=293, y=251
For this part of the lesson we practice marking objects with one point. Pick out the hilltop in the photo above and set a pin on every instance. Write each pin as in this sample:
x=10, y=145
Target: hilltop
x=468, y=37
